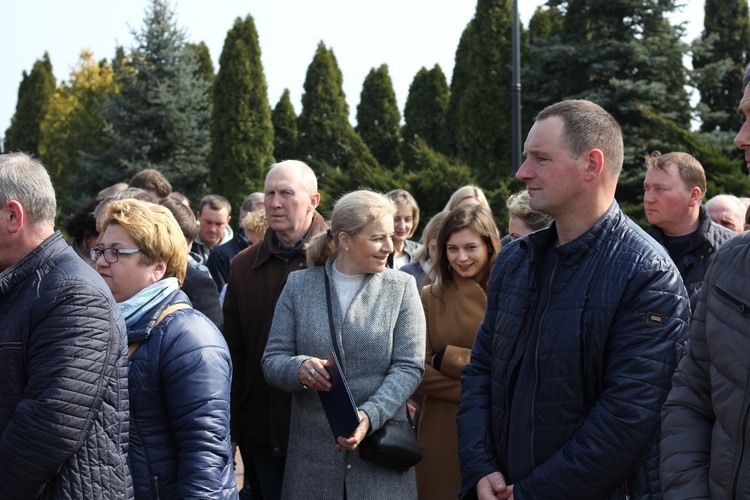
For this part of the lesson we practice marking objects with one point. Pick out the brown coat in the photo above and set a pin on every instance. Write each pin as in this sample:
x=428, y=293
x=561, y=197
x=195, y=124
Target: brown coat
x=260, y=413
x=453, y=315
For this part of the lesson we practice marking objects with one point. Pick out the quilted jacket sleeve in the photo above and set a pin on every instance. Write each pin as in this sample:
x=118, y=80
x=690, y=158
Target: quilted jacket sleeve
x=476, y=451
x=198, y=374
x=69, y=337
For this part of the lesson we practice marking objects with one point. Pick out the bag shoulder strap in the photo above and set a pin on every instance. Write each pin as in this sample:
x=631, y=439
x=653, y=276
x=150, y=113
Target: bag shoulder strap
x=166, y=312
x=330, y=317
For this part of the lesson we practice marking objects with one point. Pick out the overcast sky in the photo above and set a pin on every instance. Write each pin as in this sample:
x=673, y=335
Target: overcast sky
x=405, y=34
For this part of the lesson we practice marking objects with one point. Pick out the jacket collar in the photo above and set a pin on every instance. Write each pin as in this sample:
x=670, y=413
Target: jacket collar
x=572, y=253
x=31, y=262
x=268, y=247
x=143, y=328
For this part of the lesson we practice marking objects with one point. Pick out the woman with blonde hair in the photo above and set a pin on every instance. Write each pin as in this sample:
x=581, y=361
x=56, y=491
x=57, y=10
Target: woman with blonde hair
x=379, y=332
x=467, y=195
x=454, y=306
x=180, y=369
x=420, y=266
x=406, y=221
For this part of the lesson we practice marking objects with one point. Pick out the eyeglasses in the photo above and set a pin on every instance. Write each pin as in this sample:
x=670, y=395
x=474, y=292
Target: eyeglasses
x=111, y=255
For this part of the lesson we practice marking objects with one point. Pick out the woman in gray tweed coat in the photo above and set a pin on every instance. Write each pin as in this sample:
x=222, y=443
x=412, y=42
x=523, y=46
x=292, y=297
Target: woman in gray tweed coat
x=380, y=329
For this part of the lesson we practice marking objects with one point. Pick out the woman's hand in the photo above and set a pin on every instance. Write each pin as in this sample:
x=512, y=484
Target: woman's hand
x=313, y=374
x=360, y=432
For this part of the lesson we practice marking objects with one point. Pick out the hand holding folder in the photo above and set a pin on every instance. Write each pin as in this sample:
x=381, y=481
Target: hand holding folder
x=338, y=403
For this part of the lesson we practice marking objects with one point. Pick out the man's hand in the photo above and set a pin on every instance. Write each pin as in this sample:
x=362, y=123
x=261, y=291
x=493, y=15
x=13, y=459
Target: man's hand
x=492, y=486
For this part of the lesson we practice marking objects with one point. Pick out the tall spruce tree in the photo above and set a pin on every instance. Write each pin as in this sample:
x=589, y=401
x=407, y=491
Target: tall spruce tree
x=74, y=125
x=719, y=58
x=34, y=93
x=424, y=113
x=478, y=119
x=284, y=129
x=326, y=138
x=160, y=116
x=241, y=128
x=378, y=117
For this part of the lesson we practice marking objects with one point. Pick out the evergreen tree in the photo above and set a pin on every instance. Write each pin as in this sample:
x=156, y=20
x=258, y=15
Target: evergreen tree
x=34, y=94
x=719, y=58
x=160, y=116
x=327, y=141
x=73, y=125
x=205, y=65
x=620, y=54
x=241, y=128
x=378, y=117
x=424, y=113
x=478, y=120
x=284, y=129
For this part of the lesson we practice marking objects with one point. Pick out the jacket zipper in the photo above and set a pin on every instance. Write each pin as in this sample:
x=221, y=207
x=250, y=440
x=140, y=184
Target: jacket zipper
x=536, y=361
x=155, y=479
x=743, y=308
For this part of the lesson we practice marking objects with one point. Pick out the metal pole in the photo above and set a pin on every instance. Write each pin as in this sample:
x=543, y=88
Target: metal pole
x=516, y=94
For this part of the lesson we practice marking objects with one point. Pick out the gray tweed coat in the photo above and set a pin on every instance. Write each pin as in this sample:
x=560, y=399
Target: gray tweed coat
x=382, y=343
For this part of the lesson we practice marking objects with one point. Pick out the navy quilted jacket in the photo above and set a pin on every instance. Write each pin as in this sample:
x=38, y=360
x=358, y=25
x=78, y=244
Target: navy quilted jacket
x=609, y=341
x=179, y=383
x=63, y=380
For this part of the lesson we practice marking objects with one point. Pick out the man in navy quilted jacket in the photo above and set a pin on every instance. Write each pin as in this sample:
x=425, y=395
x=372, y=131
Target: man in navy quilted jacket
x=63, y=355
x=584, y=326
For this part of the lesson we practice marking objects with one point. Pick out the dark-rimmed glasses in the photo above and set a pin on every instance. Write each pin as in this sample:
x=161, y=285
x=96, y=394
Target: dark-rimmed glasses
x=111, y=255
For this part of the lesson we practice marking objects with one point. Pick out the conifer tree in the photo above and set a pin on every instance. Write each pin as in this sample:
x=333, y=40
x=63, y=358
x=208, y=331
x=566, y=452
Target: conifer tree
x=203, y=55
x=719, y=59
x=160, y=116
x=378, y=117
x=478, y=119
x=34, y=94
x=327, y=141
x=284, y=129
x=424, y=113
x=241, y=128
x=73, y=125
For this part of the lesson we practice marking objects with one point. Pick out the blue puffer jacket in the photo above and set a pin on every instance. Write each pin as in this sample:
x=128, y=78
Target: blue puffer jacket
x=179, y=384
x=63, y=380
x=610, y=339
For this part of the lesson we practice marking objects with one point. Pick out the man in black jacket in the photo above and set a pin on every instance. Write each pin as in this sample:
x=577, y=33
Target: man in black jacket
x=63, y=355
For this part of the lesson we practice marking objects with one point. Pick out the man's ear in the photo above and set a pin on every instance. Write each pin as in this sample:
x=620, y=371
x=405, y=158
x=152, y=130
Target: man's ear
x=314, y=201
x=594, y=165
x=16, y=216
x=696, y=196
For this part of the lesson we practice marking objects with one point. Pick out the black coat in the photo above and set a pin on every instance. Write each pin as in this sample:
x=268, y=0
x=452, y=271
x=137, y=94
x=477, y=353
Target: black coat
x=201, y=290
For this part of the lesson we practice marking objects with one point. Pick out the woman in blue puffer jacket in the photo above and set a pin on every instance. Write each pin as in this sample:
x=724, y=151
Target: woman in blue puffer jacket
x=180, y=369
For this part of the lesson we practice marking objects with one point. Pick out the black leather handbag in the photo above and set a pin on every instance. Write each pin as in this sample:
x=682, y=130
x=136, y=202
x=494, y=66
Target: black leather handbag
x=395, y=445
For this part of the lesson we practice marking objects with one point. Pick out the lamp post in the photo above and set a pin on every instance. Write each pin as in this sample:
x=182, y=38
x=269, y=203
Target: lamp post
x=515, y=89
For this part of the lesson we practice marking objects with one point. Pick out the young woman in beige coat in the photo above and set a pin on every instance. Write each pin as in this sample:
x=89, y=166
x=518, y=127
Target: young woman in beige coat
x=454, y=306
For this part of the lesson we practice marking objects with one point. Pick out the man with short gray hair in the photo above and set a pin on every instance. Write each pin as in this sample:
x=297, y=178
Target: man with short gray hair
x=63, y=355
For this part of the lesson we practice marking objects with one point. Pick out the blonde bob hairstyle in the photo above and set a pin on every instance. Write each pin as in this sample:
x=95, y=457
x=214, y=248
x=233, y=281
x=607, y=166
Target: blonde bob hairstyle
x=466, y=193
x=352, y=213
x=155, y=232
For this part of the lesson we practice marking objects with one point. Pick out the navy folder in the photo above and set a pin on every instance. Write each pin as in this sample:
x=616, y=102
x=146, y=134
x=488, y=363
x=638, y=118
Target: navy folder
x=338, y=402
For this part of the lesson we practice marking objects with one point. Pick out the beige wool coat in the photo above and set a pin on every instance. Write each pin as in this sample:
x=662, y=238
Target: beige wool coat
x=453, y=312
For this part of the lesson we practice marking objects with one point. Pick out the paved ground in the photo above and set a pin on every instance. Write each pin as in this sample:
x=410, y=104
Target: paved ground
x=239, y=471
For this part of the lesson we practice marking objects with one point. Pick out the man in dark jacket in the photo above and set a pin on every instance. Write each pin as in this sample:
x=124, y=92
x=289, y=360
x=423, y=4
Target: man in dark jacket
x=63, y=355
x=673, y=191
x=221, y=257
x=260, y=413
x=584, y=327
x=705, y=440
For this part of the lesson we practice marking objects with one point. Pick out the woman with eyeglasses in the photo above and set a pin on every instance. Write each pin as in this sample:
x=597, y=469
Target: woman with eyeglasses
x=180, y=369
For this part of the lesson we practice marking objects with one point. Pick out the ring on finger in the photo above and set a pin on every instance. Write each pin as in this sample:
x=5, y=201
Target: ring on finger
x=312, y=372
